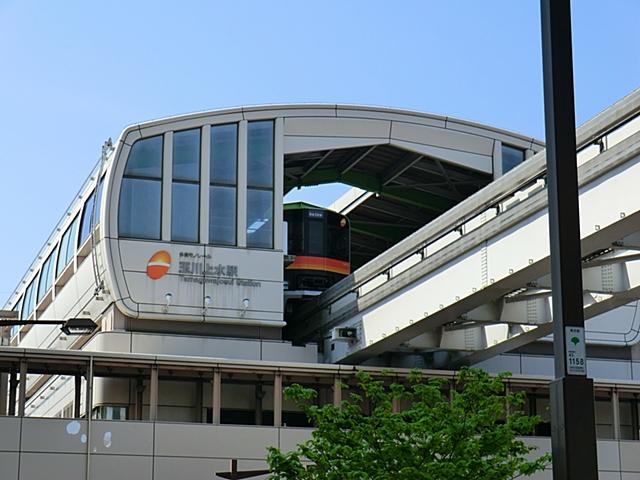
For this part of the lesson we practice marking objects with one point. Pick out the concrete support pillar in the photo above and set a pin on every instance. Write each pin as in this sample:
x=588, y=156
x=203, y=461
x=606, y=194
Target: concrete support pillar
x=277, y=400
x=337, y=391
x=76, y=397
x=88, y=401
x=4, y=391
x=153, y=395
x=13, y=389
x=216, y=398
x=22, y=400
x=615, y=404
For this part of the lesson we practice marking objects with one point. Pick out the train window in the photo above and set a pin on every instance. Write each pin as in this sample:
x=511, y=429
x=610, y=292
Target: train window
x=85, y=221
x=139, y=211
x=222, y=215
x=67, y=247
x=185, y=191
x=338, y=238
x=224, y=154
x=295, y=230
x=315, y=238
x=260, y=184
x=511, y=158
x=260, y=154
x=259, y=218
x=145, y=159
x=46, y=277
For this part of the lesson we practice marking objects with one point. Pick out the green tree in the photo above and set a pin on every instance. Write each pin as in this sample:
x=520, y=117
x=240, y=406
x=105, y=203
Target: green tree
x=468, y=432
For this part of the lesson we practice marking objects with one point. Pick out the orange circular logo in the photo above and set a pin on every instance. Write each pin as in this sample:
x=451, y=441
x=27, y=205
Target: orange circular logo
x=158, y=265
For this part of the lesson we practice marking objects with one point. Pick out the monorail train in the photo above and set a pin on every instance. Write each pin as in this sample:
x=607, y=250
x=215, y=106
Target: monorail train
x=319, y=241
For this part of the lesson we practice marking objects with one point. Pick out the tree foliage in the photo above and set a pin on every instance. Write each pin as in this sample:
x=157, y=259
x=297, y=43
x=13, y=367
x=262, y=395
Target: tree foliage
x=467, y=432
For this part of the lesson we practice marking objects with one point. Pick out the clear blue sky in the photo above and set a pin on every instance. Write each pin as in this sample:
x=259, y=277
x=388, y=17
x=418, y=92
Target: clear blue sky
x=76, y=72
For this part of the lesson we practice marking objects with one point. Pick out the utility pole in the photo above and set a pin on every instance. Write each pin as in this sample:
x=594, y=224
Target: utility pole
x=573, y=435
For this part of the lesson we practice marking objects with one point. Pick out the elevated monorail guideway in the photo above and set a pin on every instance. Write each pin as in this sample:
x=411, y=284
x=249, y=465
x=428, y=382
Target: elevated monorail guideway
x=476, y=279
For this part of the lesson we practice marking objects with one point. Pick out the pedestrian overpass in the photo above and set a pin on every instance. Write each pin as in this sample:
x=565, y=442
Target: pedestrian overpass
x=475, y=282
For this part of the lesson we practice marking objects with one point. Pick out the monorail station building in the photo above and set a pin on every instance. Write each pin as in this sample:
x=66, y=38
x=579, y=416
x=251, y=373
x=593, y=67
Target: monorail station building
x=207, y=295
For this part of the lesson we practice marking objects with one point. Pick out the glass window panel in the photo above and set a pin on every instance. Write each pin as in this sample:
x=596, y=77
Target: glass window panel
x=316, y=237
x=45, y=277
x=259, y=218
x=18, y=307
x=186, y=155
x=224, y=151
x=339, y=238
x=145, y=159
x=85, y=222
x=30, y=297
x=25, y=304
x=139, y=209
x=260, y=154
x=71, y=244
x=511, y=158
x=62, y=253
x=222, y=215
x=185, y=212
x=98, y=198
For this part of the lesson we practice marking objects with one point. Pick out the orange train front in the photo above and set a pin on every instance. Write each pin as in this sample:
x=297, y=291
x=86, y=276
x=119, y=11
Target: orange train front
x=319, y=240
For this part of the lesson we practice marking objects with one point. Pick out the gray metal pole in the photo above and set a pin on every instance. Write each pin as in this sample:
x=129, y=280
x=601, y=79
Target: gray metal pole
x=572, y=406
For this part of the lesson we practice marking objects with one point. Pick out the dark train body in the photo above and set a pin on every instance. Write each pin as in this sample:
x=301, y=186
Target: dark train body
x=319, y=239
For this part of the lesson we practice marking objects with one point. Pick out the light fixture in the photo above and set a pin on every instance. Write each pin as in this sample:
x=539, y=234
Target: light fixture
x=207, y=302
x=245, y=303
x=78, y=326
x=167, y=298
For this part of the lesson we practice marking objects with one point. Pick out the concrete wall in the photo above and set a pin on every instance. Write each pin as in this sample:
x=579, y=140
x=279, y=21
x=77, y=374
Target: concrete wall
x=56, y=449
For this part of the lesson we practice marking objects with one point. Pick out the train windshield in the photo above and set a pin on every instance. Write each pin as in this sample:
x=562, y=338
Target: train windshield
x=338, y=237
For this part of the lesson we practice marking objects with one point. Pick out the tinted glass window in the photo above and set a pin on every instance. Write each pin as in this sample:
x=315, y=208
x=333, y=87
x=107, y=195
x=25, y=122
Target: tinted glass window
x=145, y=158
x=139, y=209
x=45, y=277
x=185, y=211
x=224, y=151
x=511, y=158
x=186, y=155
x=260, y=218
x=315, y=239
x=71, y=244
x=338, y=237
x=222, y=215
x=295, y=231
x=62, y=253
x=260, y=154
x=85, y=222
x=98, y=198
x=27, y=306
